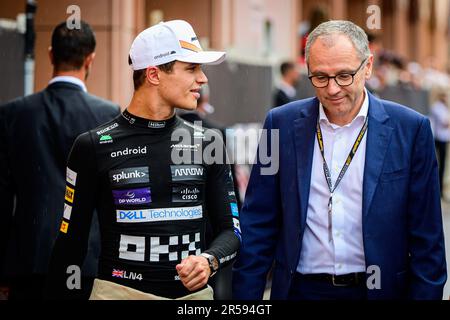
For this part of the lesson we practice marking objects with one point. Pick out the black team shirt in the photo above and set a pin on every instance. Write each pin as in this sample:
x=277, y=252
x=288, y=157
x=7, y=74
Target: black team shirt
x=152, y=209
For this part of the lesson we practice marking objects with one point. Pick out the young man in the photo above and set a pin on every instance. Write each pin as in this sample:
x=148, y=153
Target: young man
x=152, y=207
x=36, y=133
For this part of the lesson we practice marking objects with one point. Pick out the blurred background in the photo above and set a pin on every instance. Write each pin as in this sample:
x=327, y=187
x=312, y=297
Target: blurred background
x=409, y=38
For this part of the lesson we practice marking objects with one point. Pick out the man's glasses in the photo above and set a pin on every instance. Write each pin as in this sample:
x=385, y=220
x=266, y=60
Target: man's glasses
x=342, y=79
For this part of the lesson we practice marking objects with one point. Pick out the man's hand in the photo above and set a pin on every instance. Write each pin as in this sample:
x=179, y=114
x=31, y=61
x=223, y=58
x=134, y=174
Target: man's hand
x=194, y=272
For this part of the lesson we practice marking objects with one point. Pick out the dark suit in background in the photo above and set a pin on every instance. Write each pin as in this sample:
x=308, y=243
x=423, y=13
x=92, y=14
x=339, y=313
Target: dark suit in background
x=286, y=92
x=36, y=134
x=280, y=98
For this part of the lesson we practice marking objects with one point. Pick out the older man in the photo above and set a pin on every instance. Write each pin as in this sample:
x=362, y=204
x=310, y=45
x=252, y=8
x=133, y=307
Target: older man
x=354, y=211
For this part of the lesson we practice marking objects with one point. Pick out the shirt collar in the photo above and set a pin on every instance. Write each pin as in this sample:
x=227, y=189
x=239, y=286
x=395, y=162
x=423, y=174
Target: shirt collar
x=69, y=79
x=361, y=115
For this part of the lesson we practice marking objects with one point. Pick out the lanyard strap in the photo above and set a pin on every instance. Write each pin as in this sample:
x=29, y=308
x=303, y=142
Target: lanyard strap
x=326, y=170
x=350, y=156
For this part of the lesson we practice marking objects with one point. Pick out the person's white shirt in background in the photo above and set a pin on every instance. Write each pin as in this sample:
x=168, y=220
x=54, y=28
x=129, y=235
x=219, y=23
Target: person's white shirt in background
x=440, y=120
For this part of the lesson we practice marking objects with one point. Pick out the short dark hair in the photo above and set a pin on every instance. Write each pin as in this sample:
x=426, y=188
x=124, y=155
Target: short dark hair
x=285, y=67
x=139, y=75
x=70, y=47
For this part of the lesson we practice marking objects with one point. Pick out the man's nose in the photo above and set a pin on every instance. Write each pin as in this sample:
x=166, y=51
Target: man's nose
x=201, y=78
x=333, y=88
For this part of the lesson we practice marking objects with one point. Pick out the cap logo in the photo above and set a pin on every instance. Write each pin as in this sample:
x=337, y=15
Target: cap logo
x=162, y=55
x=189, y=46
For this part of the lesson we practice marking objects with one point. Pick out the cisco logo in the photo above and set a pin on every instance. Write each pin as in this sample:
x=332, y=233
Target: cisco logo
x=186, y=194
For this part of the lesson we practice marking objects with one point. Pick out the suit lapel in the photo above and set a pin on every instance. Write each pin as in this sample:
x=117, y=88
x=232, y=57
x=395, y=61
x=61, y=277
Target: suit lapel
x=378, y=138
x=304, y=146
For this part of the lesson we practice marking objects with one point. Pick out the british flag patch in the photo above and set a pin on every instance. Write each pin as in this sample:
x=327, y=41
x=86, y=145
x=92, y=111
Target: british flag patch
x=117, y=273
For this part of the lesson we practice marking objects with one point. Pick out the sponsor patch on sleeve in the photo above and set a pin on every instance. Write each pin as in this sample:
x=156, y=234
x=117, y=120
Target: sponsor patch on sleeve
x=238, y=235
x=70, y=193
x=67, y=211
x=71, y=176
x=237, y=225
x=64, y=226
x=234, y=209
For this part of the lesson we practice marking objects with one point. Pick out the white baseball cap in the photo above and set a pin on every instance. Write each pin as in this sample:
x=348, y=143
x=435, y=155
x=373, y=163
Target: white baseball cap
x=167, y=42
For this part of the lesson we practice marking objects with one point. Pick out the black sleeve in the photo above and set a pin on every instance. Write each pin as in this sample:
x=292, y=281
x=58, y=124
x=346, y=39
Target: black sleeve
x=6, y=193
x=222, y=207
x=71, y=245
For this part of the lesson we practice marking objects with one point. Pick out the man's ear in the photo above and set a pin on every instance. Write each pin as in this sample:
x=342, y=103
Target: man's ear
x=369, y=67
x=152, y=75
x=50, y=55
x=88, y=60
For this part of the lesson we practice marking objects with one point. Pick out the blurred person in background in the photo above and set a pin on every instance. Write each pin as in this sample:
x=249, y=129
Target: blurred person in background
x=354, y=210
x=440, y=120
x=221, y=282
x=36, y=134
x=286, y=91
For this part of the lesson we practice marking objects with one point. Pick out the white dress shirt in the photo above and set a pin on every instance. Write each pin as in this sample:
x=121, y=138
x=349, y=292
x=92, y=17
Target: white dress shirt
x=345, y=252
x=69, y=79
x=440, y=118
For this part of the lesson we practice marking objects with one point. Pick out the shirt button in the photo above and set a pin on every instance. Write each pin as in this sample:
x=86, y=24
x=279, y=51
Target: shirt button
x=339, y=266
x=337, y=234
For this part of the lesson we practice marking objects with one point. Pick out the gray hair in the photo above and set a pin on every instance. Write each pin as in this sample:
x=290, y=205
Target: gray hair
x=356, y=35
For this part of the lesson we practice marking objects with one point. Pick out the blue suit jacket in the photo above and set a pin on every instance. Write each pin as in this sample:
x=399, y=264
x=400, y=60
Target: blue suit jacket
x=401, y=211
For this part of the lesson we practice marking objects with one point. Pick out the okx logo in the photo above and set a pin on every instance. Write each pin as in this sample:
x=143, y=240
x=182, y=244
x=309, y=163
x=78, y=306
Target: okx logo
x=129, y=175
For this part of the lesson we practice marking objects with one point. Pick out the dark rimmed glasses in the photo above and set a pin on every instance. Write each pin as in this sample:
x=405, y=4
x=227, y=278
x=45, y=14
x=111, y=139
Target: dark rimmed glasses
x=342, y=79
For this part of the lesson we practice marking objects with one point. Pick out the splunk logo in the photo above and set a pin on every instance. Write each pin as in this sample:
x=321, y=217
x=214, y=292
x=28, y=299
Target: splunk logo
x=129, y=175
x=129, y=151
x=187, y=172
x=132, y=196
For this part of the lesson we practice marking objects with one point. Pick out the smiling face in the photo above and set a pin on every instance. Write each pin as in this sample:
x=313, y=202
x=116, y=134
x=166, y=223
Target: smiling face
x=180, y=88
x=332, y=55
